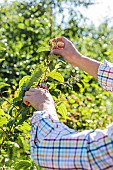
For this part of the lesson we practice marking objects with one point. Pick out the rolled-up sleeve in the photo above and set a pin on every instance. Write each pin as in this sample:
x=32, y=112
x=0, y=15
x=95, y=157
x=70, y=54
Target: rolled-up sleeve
x=56, y=146
x=105, y=75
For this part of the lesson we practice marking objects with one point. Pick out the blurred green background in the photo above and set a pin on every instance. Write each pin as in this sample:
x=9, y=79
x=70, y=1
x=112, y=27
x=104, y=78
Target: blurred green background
x=25, y=26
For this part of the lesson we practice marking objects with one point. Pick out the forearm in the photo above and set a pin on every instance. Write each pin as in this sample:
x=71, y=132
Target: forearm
x=87, y=64
x=73, y=56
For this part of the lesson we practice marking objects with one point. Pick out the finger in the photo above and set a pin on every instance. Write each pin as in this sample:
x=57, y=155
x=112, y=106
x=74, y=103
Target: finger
x=60, y=45
x=27, y=103
x=57, y=51
x=60, y=39
x=32, y=89
x=29, y=93
x=42, y=90
x=54, y=40
x=26, y=100
x=55, y=46
x=57, y=39
x=43, y=87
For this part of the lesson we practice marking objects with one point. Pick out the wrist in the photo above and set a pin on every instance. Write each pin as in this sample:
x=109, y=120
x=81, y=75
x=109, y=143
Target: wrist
x=43, y=106
x=46, y=106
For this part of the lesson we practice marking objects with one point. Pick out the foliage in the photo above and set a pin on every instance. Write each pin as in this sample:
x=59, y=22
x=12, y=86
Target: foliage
x=25, y=61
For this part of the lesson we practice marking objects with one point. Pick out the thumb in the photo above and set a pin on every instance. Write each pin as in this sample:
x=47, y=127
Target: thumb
x=26, y=100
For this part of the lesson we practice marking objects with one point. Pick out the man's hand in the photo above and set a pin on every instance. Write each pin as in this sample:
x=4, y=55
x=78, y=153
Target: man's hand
x=39, y=98
x=66, y=49
x=74, y=57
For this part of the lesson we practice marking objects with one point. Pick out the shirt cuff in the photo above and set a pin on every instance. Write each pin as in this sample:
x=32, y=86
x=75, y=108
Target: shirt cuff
x=45, y=114
x=105, y=75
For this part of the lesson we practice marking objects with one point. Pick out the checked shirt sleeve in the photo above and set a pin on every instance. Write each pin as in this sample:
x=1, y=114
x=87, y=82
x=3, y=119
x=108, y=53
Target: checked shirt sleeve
x=54, y=146
x=105, y=75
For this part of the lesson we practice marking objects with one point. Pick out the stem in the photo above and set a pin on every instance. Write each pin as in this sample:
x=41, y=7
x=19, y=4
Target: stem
x=44, y=76
x=51, y=19
x=4, y=139
x=3, y=130
x=11, y=104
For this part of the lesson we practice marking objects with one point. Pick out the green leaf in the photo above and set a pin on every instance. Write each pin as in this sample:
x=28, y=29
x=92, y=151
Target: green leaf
x=54, y=57
x=2, y=46
x=2, y=84
x=21, y=25
x=23, y=80
x=36, y=74
x=17, y=102
x=62, y=110
x=2, y=112
x=25, y=127
x=55, y=92
x=57, y=66
x=3, y=121
x=3, y=118
x=41, y=49
x=80, y=87
x=13, y=144
x=27, y=81
x=22, y=165
x=2, y=59
x=56, y=76
x=10, y=123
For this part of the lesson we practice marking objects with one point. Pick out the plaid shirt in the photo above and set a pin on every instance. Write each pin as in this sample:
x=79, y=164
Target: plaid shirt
x=55, y=146
x=105, y=75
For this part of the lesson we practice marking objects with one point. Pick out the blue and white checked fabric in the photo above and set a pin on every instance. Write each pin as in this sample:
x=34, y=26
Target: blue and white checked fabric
x=54, y=146
x=105, y=75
